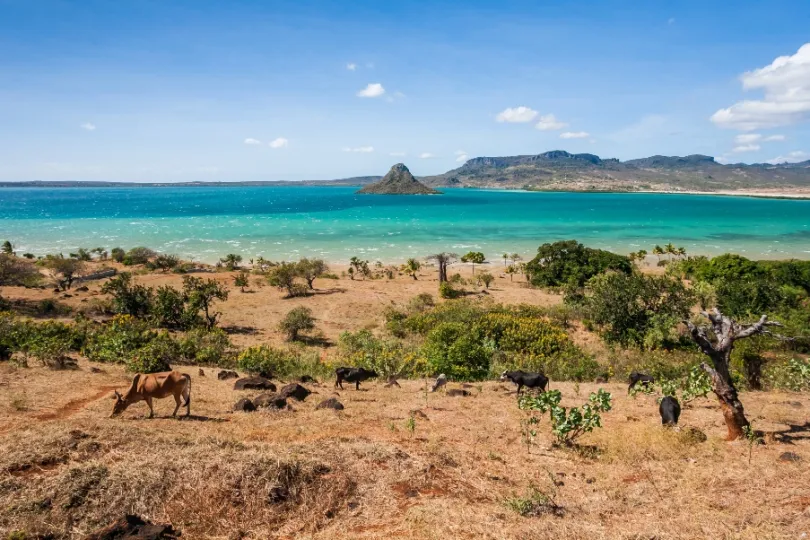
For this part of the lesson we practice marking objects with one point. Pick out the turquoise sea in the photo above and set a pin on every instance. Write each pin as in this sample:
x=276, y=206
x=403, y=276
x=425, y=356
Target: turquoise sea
x=334, y=223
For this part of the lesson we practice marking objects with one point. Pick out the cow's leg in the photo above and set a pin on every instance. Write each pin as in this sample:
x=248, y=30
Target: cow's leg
x=177, y=403
x=339, y=382
x=187, y=397
x=151, y=410
x=357, y=385
x=520, y=386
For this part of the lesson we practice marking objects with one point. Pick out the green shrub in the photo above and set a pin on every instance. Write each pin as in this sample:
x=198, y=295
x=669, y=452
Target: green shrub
x=568, y=425
x=116, y=341
x=117, y=254
x=155, y=356
x=168, y=309
x=420, y=303
x=385, y=356
x=297, y=320
x=206, y=348
x=137, y=255
x=447, y=291
x=792, y=375
x=129, y=298
x=452, y=349
x=569, y=262
x=262, y=360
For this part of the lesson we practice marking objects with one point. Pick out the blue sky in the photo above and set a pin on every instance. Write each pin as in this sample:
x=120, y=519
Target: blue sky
x=248, y=90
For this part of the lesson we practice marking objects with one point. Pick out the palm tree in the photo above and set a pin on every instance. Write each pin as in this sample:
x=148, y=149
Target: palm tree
x=511, y=270
x=505, y=258
x=657, y=251
x=681, y=251
x=670, y=250
x=7, y=248
x=443, y=259
x=514, y=257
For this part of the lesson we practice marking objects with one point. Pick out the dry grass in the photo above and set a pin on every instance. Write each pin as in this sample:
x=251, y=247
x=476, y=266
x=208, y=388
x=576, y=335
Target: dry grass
x=66, y=467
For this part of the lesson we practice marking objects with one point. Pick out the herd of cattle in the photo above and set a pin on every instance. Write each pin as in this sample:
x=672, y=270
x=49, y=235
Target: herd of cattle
x=146, y=387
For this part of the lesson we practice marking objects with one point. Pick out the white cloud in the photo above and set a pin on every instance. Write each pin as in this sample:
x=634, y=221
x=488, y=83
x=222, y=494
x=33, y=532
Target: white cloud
x=745, y=148
x=722, y=160
x=575, y=135
x=426, y=155
x=461, y=158
x=747, y=138
x=88, y=126
x=549, y=122
x=252, y=142
x=351, y=66
x=395, y=97
x=791, y=157
x=516, y=115
x=770, y=138
x=786, y=85
x=397, y=154
x=360, y=149
x=372, y=90
x=280, y=142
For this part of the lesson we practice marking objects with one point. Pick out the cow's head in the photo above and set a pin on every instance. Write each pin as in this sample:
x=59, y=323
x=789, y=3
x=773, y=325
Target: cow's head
x=372, y=373
x=503, y=376
x=120, y=404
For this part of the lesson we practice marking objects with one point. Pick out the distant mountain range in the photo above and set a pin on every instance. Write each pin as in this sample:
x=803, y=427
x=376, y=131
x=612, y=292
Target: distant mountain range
x=560, y=170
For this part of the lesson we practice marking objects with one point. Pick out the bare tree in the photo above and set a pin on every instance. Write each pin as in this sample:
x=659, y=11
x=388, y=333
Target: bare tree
x=716, y=340
x=442, y=259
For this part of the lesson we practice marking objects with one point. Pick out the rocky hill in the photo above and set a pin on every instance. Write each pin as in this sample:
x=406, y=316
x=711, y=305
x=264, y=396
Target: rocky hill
x=398, y=181
x=560, y=170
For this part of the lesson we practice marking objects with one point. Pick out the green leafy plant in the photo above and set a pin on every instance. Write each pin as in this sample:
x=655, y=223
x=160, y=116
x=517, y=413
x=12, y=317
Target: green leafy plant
x=486, y=278
x=231, y=261
x=241, y=280
x=297, y=320
x=410, y=425
x=473, y=257
x=569, y=424
x=752, y=438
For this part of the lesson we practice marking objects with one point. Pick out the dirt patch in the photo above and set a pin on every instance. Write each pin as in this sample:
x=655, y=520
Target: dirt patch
x=73, y=406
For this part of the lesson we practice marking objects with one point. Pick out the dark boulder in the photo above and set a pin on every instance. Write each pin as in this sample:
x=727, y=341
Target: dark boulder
x=225, y=375
x=134, y=528
x=294, y=390
x=94, y=369
x=244, y=405
x=455, y=392
x=273, y=401
x=306, y=379
x=330, y=403
x=789, y=457
x=201, y=373
x=254, y=383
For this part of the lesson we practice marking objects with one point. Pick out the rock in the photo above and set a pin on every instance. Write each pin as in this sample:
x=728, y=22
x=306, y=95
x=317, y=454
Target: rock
x=83, y=288
x=330, y=403
x=306, y=379
x=254, y=383
x=272, y=401
x=94, y=369
x=132, y=527
x=398, y=181
x=455, y=392
x=416, y=413
x=294, y=390
x=794, y=404
x=201, y=373
x=789, y=457
x=225, y=375
x=244, y=405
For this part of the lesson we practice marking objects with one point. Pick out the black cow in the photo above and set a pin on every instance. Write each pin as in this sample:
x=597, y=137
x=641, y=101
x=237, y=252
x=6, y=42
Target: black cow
x=670, y=411
x=353, y=375
x=638, y=377
x=527, y=379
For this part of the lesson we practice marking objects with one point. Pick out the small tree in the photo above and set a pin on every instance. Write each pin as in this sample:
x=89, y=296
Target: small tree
x=297, y=320
x=201, y=295
x=511, y=270
x=164, y=262
x=474, y=257
x=241, y=280
x=128, y=297
x=569, y=424
x=486, y=278
x=283, y=276
x=17, y=272
x=231, y=261
x=117, y=254
x=443, y=259
x=64, y=271
x=358, y=267
x=411, y=267
x=310, y=269
x=7, y=248
x=138, y=255
x=716, y=340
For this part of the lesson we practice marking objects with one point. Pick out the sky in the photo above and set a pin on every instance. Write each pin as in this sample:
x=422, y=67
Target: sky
x=197, y=90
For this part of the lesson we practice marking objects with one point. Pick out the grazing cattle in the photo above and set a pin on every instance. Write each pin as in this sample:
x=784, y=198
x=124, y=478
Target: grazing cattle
x=526, y=378
x=638, y=377
x=353, y=375
x=149, y=386
x=441, y=381
x=670, y=411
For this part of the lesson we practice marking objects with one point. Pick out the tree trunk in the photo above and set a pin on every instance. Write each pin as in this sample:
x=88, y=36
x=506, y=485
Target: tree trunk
x=753, y=370
x=730, y=404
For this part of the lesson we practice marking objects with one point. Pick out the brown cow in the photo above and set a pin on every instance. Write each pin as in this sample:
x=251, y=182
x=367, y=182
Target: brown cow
x=146, y=387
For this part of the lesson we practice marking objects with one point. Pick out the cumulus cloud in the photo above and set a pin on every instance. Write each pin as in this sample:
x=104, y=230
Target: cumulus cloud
x=252, y=142
x=280, y=142
x=517, y=115
x=792, y=157
x=426, y=155
x=351, y=66
x=549, y=122
x=785, y=83
x=461, y=156
x=88, y=126
x=747, y=138
x=770, y=138
x=360, y=149
x=575, y=135
x=745, y=148
x=372, y=90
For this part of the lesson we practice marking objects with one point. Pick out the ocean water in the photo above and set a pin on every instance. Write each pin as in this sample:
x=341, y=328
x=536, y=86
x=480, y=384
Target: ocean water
x=333, y=223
